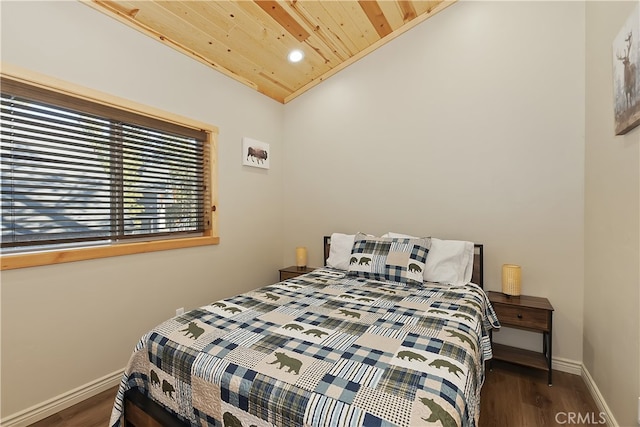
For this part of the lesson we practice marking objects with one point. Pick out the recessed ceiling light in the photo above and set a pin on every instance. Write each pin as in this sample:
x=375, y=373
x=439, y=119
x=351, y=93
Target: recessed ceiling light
x=296, y=55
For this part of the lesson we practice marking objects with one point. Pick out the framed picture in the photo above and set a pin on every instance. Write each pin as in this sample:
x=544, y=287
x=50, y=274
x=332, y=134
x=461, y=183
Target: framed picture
x=255, y=153
x=626, y=75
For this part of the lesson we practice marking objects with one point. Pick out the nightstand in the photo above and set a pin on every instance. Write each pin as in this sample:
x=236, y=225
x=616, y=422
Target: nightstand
x=294, y=271
x=528, y=313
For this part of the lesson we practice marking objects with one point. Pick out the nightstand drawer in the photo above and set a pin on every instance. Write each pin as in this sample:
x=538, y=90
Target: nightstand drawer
x=523, y=317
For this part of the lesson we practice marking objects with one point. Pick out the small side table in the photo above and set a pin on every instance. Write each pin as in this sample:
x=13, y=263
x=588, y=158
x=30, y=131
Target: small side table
x=528, y=313
x=294, y=271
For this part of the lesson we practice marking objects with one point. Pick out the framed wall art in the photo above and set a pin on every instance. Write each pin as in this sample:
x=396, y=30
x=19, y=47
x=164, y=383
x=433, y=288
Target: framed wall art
x=255, y=153
x=626, y=75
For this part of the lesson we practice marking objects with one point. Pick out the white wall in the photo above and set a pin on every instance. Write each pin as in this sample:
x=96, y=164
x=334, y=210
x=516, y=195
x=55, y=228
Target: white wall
x=611, y=342
x=469, y=127
x=66, y=325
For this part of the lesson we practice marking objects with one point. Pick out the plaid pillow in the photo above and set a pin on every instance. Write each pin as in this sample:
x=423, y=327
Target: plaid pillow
x=395, y=259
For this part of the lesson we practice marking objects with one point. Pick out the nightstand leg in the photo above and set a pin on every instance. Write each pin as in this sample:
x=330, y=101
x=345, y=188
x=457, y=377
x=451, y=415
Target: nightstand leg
x=546, y=343
x=549, y=339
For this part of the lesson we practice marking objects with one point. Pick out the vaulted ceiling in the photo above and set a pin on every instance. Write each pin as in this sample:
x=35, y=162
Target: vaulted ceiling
x=250, y=40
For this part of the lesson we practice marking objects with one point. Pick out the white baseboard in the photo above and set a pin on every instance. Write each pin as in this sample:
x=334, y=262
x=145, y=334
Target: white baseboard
x=567, y=365
x=578, y=368
x=595, y=393
x=63, y=401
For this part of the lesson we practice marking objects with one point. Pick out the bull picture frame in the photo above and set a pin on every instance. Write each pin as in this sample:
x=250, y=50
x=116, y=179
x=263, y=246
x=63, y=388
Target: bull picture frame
x=626, y=74
x=255, y=153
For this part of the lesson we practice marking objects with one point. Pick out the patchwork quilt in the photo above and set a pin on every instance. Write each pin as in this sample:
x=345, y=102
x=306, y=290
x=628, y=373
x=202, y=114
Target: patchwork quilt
x=321, y=349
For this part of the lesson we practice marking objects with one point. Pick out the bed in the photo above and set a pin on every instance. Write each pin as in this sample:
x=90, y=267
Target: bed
x=347, y=347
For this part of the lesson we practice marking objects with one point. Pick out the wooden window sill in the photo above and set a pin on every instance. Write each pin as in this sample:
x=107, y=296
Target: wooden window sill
x=35, y=259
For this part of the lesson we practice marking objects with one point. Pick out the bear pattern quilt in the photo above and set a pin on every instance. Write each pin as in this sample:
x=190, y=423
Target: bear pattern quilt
x=321, y=349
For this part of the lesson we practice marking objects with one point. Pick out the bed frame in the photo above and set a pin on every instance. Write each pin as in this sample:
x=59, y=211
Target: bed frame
x=140, y=411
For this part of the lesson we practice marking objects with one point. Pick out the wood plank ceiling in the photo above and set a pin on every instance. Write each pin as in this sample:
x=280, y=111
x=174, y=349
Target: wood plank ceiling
x=250, y=40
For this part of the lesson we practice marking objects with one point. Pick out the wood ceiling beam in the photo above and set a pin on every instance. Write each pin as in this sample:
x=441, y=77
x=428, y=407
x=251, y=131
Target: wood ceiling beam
x=408, y=11
x=373, y=11
x=277, y=12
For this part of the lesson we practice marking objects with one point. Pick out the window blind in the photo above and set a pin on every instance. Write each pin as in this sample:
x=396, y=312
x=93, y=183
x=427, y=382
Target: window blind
x=73, y=171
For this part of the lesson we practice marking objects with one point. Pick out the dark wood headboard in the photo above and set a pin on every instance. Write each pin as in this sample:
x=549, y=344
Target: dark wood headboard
x=477, y=276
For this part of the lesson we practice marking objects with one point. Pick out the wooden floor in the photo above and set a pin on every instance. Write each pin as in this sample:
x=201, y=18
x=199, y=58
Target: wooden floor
x=516, y=396
x=511, y=397
x=93, y=412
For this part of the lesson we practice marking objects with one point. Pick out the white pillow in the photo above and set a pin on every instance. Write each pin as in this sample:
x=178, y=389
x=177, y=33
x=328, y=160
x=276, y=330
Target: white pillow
x=449, y=261
x=340, y=250
x=393, y=235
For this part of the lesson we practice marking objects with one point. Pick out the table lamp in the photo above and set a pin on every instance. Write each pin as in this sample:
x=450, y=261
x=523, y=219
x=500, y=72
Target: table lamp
x=511, y=279
x=301, y=257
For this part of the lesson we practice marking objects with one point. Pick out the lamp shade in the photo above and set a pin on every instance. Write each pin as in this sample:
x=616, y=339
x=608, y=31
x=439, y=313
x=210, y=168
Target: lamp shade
x=301, y=256
x=511, y=279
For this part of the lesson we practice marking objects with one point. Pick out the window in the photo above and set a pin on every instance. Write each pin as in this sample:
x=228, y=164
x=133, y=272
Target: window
x=80, y=177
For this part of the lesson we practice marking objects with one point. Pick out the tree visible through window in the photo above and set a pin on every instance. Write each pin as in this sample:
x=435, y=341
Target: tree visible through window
x=76, y=172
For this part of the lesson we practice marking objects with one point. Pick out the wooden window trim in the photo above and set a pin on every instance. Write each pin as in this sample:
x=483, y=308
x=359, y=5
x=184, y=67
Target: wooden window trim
x=210, y=236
